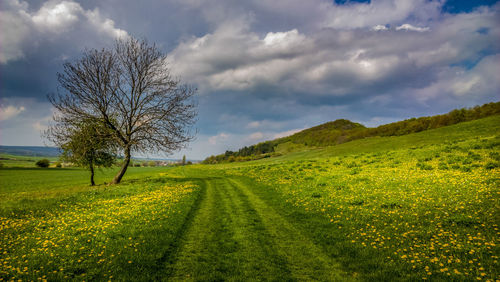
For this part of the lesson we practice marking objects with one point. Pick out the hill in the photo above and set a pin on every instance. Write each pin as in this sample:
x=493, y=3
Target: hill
x=32, y=151
x=342, y=131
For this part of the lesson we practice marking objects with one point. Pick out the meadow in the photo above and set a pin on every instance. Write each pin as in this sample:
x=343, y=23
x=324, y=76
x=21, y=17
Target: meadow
x=8, y=160
x=55, y=226
x=423, y=206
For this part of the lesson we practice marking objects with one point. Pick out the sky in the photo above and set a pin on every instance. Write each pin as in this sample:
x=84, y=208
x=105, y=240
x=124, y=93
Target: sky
x=263, y=69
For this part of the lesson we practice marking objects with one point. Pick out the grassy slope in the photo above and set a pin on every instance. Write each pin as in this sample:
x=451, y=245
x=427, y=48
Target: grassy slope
x=486, y=127
x=342, y=131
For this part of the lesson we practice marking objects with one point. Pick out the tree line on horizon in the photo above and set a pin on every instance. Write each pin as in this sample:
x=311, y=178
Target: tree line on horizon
x=342, y=130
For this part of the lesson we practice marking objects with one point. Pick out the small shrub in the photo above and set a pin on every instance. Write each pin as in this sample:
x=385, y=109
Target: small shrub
x=316, y=195
x=43, y=163
x=58, y=165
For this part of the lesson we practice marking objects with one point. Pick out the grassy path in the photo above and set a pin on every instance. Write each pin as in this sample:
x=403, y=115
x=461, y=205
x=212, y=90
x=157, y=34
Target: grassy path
x=235, y=235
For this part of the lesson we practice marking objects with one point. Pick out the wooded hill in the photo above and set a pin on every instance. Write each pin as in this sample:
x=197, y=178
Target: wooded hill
x=342, y=130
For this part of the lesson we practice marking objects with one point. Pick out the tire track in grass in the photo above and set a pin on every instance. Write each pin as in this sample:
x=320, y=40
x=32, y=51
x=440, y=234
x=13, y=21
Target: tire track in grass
x=306, y=261
x=227, y=241
x=164, y=264
x=203, y=252
x=235, y=235
x=256, y=257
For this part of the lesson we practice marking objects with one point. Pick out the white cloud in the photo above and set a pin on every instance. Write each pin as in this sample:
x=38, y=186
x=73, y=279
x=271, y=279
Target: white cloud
x=286, y=133
x=40, y=125
x=466, y=86
x=254, y=124
x=256, y=136
x=23, y=129
x=214, y=140
x=457, y=83
x=104, y=25
x=380, y=27
x=412, y=28
x=57, y=16
x=20, y=27
x=382, y=12
x=10, y=112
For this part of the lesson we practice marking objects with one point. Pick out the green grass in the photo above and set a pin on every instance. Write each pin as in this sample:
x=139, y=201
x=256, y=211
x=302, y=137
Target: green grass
x=420, y=206
x=423, y=206
x=122, y=232
x=42, y=179
x=8, y=160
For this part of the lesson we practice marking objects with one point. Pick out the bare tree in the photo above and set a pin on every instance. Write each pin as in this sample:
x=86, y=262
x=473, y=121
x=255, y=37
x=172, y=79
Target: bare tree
x=130, y=90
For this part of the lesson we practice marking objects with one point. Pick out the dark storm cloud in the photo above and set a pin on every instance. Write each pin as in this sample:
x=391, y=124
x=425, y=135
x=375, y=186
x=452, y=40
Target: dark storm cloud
x=264, y=68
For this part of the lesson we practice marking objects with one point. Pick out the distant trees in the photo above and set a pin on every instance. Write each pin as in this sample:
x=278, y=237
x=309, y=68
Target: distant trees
x=129, y=91
x=341, y=131
x=43, y=163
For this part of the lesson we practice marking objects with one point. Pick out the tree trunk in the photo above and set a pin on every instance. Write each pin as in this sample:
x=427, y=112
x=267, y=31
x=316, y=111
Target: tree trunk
x=92, y=183
x=123, y=169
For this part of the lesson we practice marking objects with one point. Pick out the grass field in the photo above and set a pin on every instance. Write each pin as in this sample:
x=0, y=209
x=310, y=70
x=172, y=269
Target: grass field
x=415, y=207
x=8, y=160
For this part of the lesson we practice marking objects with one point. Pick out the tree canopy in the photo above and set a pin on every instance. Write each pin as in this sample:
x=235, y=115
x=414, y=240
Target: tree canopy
x=88, y=145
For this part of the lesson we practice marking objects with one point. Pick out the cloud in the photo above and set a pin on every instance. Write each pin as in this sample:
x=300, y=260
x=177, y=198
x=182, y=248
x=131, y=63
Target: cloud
x=23, y=129
x=40, y=125
x=10, y=112
x=382, y=12
x=412, y=28
x=380, y=27
x=335, y=62
x=218, y=138
x=54, y=19
x=264, y=69
x=461, y=84
x=256, y=136
x=286, y=133
x=15, y=29
x=57, y=17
